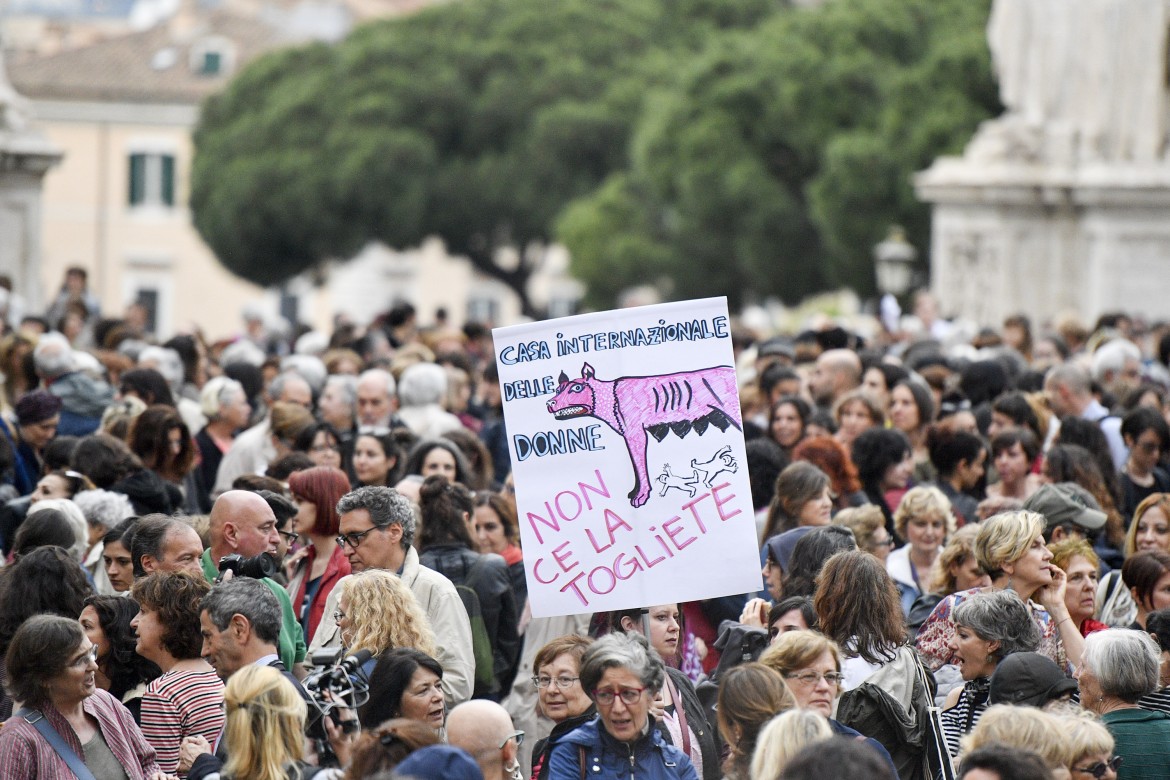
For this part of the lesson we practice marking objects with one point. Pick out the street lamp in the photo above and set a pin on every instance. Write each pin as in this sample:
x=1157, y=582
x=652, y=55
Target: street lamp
x=895, y=262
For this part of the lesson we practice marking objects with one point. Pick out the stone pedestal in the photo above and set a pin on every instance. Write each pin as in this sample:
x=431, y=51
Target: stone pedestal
x=1063, y=203
x=1006, y=242
x=25, y=157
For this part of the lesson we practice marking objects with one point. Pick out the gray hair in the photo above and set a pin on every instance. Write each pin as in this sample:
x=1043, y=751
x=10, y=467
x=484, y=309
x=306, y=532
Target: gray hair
x=1000, y=616
x=386, y=507
x=347, y=385
x=166, y=361
x=622, y=651
x=103, y=507
x=309, y=367
x=276, y=387
x=1125, y=662
x=383, y=376
x=422, y=384
x=53, y=356
x=243, y=351
x=216, y=393
x=1112, y=356
x=248, y=597
x=75, y=519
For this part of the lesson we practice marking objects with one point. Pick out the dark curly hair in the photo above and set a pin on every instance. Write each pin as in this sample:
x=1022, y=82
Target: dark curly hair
x=149, y=439
x=124, y=667
x=45, y=581
x=443, y=504
x=175, y=596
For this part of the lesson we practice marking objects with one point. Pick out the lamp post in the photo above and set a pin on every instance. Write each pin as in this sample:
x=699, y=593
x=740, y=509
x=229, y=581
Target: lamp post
x=894, y=265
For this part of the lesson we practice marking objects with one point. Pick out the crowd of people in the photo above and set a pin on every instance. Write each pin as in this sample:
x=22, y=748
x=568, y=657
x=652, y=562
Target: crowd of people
x=291, y=555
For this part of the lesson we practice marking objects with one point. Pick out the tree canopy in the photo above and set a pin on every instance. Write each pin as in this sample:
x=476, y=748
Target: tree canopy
x=739, y=147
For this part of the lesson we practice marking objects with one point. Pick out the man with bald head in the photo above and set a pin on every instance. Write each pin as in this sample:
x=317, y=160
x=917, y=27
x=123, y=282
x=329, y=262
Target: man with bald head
x=837, y=371
x=243, y=523
x=484, y=729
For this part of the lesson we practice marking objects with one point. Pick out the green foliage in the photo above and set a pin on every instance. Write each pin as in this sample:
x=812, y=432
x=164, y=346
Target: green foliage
x=780, y=156
x=476, y=121
x=740, y=147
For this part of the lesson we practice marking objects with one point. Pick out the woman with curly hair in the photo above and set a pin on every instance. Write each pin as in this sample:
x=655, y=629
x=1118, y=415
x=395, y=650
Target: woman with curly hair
x=45, y=581
x=924, y=520
x=381, y=749
x=377, y=612
x=831, y=457
x=955, y=569
x=187, y=699
x=885, y=462
x=320, y=564
x=121, y=670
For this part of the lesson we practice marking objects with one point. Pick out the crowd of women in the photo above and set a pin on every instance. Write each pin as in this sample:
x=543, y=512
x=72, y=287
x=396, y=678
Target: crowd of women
x=965, y=555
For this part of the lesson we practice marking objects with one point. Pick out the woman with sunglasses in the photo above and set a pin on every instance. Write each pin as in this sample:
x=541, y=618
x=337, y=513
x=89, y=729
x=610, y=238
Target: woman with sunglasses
x=621, y=673
x=1092, y=750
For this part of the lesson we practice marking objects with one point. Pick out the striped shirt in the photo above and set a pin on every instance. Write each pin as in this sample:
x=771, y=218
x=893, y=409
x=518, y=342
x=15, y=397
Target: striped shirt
x=181, y=704
x=960, y=719
x=1159, y=700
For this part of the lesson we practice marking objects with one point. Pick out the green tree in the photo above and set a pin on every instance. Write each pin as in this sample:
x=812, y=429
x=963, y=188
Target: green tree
x=775, y=161
x=476, y=121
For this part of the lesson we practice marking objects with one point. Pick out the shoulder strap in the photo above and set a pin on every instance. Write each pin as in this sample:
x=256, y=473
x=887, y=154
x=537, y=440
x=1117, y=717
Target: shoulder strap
x=38, y=721
x=680, y=713
x=581, y=759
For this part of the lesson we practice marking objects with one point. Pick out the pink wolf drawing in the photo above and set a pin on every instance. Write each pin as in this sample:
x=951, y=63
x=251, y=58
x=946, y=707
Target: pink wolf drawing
x=638, y=407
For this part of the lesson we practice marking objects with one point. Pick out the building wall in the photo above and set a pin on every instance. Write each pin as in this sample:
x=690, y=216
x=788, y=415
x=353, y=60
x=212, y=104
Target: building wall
x=88, y=219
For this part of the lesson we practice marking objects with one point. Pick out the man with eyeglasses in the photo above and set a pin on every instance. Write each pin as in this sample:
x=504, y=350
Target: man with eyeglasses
x=484, y=729
x=377, y=526
x=244, y=524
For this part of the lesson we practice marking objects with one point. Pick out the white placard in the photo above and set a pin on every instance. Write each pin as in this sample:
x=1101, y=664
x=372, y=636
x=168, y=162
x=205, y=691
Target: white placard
x=628, y=456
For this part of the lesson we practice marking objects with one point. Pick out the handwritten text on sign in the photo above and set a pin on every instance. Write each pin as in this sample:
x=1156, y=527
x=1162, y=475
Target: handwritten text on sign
x=627, y=448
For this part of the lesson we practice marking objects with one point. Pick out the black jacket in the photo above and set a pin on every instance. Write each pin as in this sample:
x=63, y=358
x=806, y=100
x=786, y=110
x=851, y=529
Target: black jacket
x=493, y=584
x=697, y=721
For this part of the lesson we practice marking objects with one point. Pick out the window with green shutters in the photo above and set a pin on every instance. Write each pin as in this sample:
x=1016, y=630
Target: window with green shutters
x=152, y=179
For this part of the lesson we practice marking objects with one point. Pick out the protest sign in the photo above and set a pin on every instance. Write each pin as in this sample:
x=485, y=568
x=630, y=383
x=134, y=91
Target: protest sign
x=628, y=457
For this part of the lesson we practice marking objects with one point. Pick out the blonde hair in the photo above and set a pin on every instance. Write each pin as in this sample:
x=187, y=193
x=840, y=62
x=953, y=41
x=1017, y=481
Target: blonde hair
x=1087, y=736
x=783, y=737
x=1159, y=500
x=265, y=724
x=384, y=614
x=923, y=502
x=1065, y=550
x=958, y=549
x=795, y=650
x=1004, y=538
x=863, y=521
x=1021, y=727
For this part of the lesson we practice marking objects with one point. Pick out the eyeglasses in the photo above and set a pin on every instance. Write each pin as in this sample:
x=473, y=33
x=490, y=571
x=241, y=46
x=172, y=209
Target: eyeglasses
x=338, y=615
x=353, y=540
x=290, y=536
x=564, y=683
x=811, y=678
x=1099, y=769
x=516, y=735
x=325, y=448
x=628, y=695
x=86, y=658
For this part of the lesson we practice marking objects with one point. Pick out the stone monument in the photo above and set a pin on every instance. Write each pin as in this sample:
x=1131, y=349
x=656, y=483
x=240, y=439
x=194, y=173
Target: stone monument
x=1063, y=202
x=25, y=156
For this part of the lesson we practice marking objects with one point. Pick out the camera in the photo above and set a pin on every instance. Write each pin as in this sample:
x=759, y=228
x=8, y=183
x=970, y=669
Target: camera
x=257, y=567
x=336, y=683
